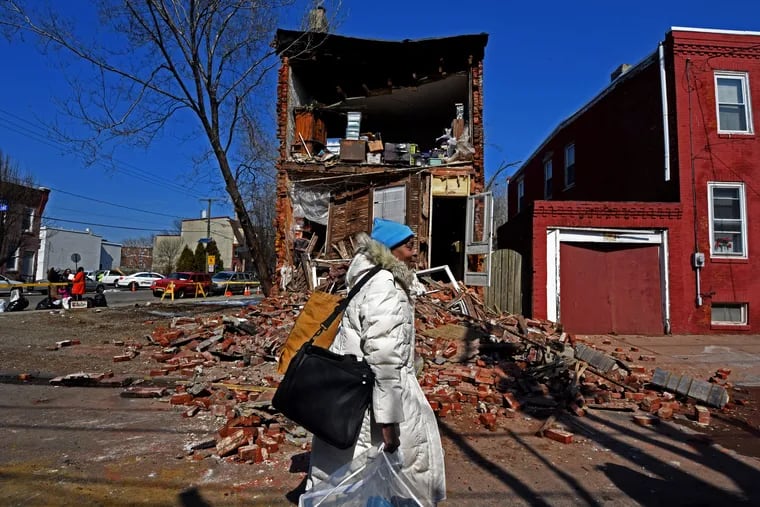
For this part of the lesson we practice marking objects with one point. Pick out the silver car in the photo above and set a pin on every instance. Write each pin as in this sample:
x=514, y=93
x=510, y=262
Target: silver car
x=7, y=285
x=233, y=281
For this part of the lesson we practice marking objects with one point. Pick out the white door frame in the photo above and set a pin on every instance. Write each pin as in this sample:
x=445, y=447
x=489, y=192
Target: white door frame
x=555, y=236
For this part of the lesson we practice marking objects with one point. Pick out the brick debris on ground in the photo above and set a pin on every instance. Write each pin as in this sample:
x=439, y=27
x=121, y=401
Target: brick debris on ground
x=470, y=361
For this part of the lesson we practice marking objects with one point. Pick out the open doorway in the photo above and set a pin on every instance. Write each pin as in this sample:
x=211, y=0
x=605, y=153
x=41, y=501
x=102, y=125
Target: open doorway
x=447, y=234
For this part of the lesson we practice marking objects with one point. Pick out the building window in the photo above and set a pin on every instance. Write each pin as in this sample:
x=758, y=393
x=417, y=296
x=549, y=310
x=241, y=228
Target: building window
x=390, y=203
x=12, y=263
x=547, y=179
x=569, y=165
x=27, y=224
x=732, y=98
x=728, y=226
x=520, y=194
x=729, y=314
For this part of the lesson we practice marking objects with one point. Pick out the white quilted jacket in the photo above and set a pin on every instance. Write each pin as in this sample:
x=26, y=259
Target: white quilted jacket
x=378, y=324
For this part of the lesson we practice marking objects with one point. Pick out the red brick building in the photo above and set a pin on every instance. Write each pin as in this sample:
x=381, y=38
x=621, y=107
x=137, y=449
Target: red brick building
x=371, y=128
x=21, y=210
x=640, y=212
x=136, y=258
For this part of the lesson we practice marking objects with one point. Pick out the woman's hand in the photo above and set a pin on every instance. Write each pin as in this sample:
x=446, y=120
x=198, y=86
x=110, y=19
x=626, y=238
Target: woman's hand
x=390, y=438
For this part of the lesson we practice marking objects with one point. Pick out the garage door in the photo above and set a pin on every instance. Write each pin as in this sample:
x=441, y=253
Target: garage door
x=610, y=289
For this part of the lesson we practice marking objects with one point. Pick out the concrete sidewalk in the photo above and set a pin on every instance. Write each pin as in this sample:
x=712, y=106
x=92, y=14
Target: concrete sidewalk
x=696, y=355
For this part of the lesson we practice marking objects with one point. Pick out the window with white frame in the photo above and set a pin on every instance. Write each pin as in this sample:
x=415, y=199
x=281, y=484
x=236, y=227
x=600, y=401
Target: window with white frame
x=390, y=203
x=733, y=103
x=520, y=194
x=548, y=178
x=27, y=224
x=728, y=224
x=728, y=314
x=569, y=165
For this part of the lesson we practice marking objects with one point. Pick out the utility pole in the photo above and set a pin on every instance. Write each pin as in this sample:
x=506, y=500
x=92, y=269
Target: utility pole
x=208, y=225
x=208, y=217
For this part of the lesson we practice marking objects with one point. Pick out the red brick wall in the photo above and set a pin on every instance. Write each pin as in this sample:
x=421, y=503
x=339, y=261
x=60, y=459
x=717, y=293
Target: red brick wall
x=717, y=158
x=478, y=136
x=637, y=215
x=618, y=149
x=284, y=217
x=624, y=162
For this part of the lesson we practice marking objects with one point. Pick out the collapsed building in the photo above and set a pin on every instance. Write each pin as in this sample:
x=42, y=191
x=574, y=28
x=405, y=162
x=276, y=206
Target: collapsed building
x=370, y=129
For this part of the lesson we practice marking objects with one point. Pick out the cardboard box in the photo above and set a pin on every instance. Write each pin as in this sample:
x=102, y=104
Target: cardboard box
x=374, y=158
x=375, y=146
x=352, y=150
x=78, y=305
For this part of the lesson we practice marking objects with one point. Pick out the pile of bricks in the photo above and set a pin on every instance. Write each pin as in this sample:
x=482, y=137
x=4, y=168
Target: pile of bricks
x=470, y=361
x=494, y=365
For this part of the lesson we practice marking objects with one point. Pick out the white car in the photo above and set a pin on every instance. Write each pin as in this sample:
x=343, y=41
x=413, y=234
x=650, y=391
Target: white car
x=137, y=280
x=6, y=285
x=108, y=276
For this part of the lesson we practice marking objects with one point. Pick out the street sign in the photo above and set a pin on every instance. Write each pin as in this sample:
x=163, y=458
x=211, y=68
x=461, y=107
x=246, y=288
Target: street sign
x=204, y=240
x=75, y=257
x=211, y=260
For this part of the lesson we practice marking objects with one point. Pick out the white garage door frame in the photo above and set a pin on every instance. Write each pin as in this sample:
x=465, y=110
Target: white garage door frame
x=555, y=236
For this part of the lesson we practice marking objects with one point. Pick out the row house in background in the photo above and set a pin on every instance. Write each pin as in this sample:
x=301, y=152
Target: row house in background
x=225, y=231
x=21, y=210
x=371, y=128
x=136, y=258
x=640, y=212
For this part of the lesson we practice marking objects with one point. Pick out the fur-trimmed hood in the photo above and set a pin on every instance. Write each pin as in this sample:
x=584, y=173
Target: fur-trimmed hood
x=371, y=253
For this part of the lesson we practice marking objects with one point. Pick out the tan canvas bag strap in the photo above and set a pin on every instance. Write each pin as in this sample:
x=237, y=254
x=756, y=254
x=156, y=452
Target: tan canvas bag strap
x=340, y=307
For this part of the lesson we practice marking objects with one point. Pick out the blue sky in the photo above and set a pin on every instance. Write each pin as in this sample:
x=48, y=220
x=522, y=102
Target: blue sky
x=544, y=60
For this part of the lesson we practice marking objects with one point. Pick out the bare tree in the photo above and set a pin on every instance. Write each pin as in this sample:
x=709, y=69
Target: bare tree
x=17, y=194
x=257, y=177
x=144, y=242
x=165, y=59
x=166, y=252
x=499, y=190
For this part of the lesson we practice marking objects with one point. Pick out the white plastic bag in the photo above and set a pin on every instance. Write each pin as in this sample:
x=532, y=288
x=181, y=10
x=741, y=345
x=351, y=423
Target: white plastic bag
x=373, y=479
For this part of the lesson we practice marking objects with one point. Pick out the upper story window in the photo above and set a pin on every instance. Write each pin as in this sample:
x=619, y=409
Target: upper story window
x=520, y=194
x=548, y=178
x=569, y=165
x=390, y=203
x=728, y=222
x=27, y=224
x=732, y=98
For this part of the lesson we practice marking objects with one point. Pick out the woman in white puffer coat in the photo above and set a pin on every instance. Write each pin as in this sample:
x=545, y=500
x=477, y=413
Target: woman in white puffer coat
x=378, y=324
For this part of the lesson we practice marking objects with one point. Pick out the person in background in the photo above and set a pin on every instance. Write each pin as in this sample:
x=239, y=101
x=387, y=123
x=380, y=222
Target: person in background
x=78, y=285
x=378, y=325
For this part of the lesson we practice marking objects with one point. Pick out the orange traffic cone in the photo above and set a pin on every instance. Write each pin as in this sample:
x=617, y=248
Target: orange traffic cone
x=133, y=287
x=247, y=291
x=227, y=293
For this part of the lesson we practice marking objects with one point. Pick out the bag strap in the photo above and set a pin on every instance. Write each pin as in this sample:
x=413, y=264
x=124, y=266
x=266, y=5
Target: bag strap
x=340, y=307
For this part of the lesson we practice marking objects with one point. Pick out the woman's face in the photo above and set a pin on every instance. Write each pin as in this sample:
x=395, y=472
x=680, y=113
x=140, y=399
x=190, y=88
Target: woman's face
x=405, y=251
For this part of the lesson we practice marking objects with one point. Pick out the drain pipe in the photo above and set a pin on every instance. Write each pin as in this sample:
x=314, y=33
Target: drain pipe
x=665, y=113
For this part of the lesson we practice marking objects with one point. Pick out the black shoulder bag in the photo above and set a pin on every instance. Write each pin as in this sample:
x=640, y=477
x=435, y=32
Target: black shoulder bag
x=324, y=392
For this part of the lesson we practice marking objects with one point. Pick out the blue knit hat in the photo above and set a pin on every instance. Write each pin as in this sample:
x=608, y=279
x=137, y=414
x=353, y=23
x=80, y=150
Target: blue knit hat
x=390, y=233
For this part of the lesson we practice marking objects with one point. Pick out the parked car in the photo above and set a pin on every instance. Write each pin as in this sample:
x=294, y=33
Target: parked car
x=234, y=281
x=7, y=285
x=109, y=276
x=185, y=283
x=90, y=285
x=137, y=280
